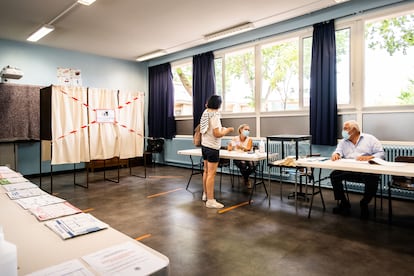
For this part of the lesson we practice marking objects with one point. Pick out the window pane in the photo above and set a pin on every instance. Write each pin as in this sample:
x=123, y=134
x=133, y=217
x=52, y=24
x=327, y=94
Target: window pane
x=218, y=67
x=183, y=90
x=343, y=80
x=307, y=57
x=342, y=67
x=280, y=80
x=239, y=81
x=389, y=55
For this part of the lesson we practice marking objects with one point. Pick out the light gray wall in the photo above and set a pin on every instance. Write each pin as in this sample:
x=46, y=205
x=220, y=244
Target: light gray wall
x=39, y=65
x=390, y=126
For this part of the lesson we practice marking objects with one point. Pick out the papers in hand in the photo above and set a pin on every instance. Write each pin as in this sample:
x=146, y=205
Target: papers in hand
x=76, y=225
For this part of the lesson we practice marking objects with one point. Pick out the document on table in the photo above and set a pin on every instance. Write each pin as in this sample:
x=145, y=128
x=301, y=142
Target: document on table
x=54, y=211
x=5, y=181
x=36, y=201
x=76, y=225
x=19, y=186
x=10, y=174
x=25, y=193
x=72, y=267
x=315, y=159
x=125, y=259
x=379, y=161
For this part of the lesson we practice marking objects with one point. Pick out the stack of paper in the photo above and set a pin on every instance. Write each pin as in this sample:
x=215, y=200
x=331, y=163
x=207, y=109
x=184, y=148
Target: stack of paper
x=75, y=225
x=54, y=211
x=125, y=259
x=11, y=180
x=16, y=194
x=19, y=186
x=36, y=201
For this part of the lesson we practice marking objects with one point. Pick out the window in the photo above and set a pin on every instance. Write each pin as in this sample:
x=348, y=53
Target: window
x=238, y=86
x=389, y=55
x=343, y=69
x=280, y=79
x=183, y=88
x=343, y=79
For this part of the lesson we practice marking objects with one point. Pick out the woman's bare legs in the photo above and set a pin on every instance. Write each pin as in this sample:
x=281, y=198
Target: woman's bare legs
x=210, y=170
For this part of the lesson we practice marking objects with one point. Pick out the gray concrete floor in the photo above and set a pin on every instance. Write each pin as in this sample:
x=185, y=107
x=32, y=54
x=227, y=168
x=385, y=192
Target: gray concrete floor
x=255, y=239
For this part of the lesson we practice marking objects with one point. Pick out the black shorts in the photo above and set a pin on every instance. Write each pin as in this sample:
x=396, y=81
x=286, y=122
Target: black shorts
x=211, y=155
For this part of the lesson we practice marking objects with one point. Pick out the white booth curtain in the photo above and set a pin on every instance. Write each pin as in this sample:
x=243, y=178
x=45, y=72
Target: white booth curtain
x=70, y=140
x=79, y=134
x=131, y=124
x=103, y=137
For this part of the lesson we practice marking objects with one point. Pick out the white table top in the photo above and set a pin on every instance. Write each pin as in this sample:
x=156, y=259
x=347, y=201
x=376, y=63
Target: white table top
x=234, y=154
x=38, y=247
x=391, y=168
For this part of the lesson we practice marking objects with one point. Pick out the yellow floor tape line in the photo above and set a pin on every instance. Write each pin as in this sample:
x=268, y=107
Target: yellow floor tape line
x=143, y=237
x=164, y=193
x=233, y=207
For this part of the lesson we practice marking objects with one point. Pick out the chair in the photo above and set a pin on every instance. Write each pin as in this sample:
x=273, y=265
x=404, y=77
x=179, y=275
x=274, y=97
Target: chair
x=154, y=145
x=399, y=182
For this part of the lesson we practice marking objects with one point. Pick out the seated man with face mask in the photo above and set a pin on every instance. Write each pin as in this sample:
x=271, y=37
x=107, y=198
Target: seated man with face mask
x=244, y=143
x=361, y=147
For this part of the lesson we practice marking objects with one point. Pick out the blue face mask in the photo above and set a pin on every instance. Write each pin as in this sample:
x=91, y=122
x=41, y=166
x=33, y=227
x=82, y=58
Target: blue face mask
x=345, y=134
x=246, y=133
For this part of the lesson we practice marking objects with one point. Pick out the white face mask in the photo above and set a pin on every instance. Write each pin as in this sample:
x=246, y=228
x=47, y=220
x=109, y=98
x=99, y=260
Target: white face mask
x=345, y=134
x=246, y=133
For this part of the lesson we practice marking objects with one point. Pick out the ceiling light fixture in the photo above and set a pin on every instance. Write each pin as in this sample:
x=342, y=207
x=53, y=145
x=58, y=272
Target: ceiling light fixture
x=86, y=2
x=44, y=30
x=340, y=1
x=151, y=55
x=229, y=31
x=47, y=28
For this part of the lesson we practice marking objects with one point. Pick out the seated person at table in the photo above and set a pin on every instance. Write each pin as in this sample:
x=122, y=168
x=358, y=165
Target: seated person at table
x=361, y=147
x=243, y=142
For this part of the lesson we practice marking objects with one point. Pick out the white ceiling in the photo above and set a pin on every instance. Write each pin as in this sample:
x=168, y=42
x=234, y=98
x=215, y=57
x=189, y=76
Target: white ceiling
x=126, y=29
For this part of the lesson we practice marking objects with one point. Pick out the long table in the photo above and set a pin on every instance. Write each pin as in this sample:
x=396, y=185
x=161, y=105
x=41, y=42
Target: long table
x=38, y=247
x=236, y=155
x=385, y=168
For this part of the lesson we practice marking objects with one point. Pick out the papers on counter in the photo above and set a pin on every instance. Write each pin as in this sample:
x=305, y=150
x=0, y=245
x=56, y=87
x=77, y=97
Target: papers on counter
x=76, y=225
x=19, y=186
x=11, y=180
x=72, y=267
x=16, y=194
x=54, y=211
x=125, y=259
x=36, y=201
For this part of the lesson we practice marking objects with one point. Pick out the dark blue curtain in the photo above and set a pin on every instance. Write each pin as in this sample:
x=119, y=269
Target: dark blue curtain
x=204, y=83
x=161, y=121
x=323, y=104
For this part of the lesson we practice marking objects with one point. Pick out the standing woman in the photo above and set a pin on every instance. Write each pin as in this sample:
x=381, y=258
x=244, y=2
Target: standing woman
x=211, y=131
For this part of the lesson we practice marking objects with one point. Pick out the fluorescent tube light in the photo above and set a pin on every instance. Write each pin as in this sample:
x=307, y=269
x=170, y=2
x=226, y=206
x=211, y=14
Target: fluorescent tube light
x=229, y=32
x=86, y=2
x=151, y=55
x=44, y=30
